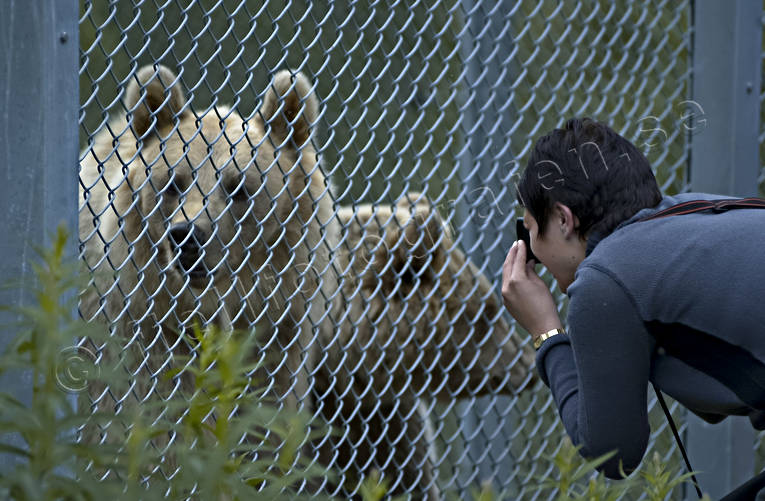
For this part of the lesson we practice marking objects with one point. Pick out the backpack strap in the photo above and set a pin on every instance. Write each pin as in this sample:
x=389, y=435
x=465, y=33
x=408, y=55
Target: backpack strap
x=719, y=205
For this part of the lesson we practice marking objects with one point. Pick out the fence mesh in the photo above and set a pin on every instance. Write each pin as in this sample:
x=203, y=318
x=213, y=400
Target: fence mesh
x=443, y=98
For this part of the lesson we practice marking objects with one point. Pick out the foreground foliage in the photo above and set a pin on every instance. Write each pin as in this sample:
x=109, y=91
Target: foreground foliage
x=213, y=461
x=49, y=460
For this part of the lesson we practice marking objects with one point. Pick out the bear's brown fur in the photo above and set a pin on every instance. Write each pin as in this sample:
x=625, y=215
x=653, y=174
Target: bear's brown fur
x=204, y=217
x=421, y=323
x=413, y=320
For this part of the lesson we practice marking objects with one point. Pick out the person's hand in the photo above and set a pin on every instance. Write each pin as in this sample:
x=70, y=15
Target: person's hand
x=526, y=296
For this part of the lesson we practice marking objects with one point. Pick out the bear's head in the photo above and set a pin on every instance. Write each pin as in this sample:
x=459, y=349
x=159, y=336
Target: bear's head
x=218, y=195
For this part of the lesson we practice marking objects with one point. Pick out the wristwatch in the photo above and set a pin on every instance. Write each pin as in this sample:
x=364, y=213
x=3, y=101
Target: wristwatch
x=547, y=335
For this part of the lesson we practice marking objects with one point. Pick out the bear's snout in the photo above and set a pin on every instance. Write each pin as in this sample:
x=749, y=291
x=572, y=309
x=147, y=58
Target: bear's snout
x=188, y=241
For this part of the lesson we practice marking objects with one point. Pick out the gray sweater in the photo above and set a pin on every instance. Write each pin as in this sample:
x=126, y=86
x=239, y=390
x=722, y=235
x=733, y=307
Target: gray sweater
x=701, y=273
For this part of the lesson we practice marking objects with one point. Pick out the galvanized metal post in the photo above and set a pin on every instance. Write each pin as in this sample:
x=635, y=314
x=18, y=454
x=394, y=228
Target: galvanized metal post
x=485, y=206
x=727, y=41
x=38, y=146
x=726, y=84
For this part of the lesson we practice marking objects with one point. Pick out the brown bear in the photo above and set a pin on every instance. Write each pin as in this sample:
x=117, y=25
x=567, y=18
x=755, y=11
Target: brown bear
x=189, y=217
x=420, y=323
x=204, y=218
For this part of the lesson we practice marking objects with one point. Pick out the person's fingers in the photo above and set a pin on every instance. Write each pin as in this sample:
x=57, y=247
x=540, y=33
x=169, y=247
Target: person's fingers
x=507, y=272
x=519, y=260
x=512, y=252
x=507, y=266
x=531, y=267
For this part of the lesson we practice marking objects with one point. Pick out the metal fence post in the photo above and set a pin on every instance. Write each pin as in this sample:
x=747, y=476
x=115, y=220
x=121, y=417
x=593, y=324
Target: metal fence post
x=726, y=82
x=727, y=39
x=38, y=126
x=485, y=205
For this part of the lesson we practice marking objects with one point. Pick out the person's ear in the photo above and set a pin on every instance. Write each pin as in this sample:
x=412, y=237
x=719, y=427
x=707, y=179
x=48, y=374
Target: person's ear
x=565, y=220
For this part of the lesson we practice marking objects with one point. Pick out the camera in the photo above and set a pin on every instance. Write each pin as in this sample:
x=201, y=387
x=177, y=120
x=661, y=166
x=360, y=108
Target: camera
x=523, y=234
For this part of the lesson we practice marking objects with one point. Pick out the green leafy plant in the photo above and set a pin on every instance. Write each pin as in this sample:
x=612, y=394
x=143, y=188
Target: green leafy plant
x=659, y=480
x=232, y=443
x=373, y=488
x=37, y=433
x=577, y=479
x=572, y=470
x=228, y=441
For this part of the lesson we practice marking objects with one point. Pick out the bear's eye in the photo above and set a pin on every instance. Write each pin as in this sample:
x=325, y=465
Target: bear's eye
x=174, y=188
x=237, y=191
x=171, y=189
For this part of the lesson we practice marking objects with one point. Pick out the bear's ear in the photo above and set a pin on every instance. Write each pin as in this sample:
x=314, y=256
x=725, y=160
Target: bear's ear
x=290, y=108
x=154, y=98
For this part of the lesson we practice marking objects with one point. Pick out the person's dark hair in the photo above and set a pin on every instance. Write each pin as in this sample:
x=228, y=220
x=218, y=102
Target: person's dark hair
x=602, y=177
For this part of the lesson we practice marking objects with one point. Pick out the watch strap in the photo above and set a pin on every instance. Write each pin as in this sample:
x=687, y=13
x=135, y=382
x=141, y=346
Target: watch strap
x=545, y=336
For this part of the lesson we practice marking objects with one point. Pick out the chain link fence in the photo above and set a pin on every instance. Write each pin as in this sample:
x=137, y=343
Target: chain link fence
x=425, y=113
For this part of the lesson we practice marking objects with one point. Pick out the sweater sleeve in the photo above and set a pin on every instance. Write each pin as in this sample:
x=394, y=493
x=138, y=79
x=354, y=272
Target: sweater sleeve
x=598, y=372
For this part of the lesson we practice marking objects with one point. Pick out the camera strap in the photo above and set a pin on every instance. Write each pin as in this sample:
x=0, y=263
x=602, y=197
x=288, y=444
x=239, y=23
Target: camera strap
x=717, y=206
x=671, y=421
